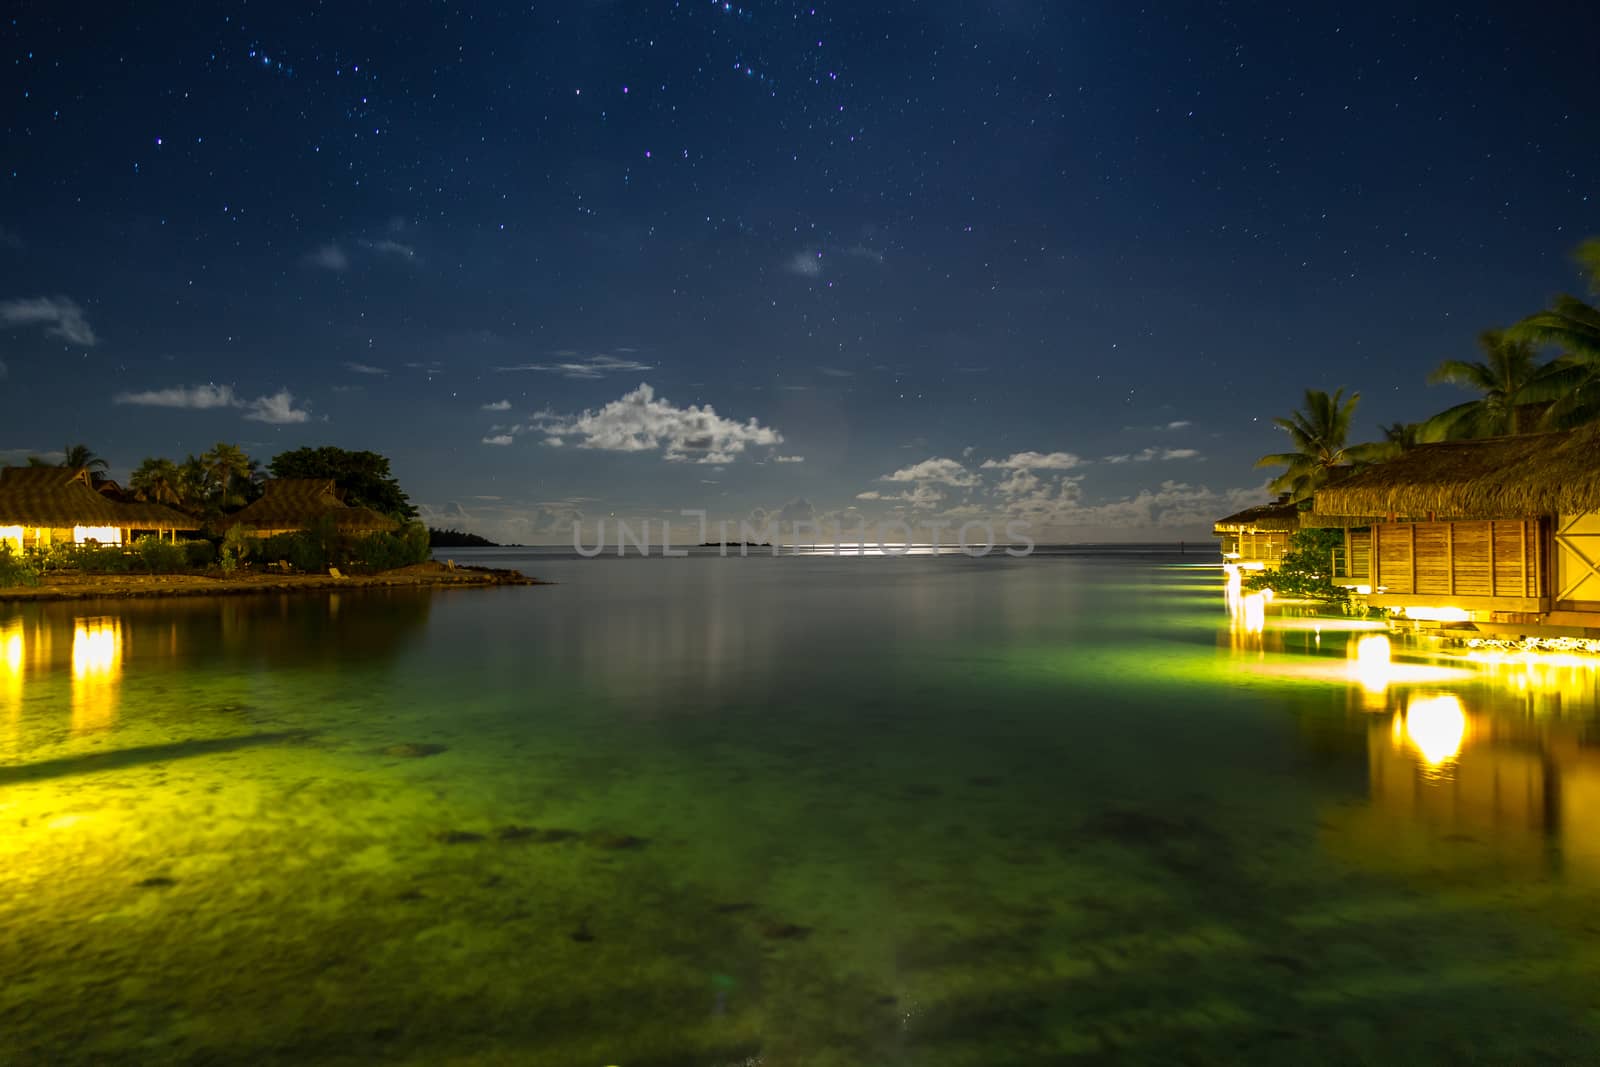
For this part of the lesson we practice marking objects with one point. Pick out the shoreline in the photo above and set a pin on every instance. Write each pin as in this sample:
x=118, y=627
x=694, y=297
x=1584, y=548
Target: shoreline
x=129, y=586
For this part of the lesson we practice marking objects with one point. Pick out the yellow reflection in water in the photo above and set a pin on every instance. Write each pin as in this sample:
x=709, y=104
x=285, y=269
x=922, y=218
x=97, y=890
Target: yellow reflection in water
x=1436, y=726
x=96, y=670
x=1371, y=666
x=11, y=665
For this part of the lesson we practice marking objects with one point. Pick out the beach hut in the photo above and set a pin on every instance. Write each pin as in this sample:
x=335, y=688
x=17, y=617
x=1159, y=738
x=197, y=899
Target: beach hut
x=1256, y=538
x=1500, y=535
x=43, y=506
x=291, y=504
x=142, y=517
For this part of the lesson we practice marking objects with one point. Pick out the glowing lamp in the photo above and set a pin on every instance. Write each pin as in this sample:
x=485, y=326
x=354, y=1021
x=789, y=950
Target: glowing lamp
x=1439, y=614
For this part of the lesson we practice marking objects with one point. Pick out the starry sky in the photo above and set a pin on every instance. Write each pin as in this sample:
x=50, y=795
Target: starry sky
x=937, y=260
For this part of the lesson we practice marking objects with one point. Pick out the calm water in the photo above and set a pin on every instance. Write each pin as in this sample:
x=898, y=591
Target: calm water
x=798, y=811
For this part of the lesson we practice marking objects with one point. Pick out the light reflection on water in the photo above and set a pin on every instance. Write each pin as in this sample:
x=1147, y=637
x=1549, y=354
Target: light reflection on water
x=910, y=800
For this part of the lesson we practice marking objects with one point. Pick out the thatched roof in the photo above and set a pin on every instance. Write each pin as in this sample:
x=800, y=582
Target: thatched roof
x=1499, y=477
x=299, y=503
x=54, y=497
x=1278, y=515
x=144, y=515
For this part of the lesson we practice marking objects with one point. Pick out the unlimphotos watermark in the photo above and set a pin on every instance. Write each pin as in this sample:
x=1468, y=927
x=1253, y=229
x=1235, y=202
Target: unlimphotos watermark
x=975, y=538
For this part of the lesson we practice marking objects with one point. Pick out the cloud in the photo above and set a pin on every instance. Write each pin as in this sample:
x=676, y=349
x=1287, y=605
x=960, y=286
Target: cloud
x=197, y=397
x=941, y=471
x=497, y=405
x=277, y=409
x=1035, y=461
x=1148, y=454
x=1179, y=424
x=18, y=456
x=641, y=422
x=60, y=317
x=788, y=459
x=863, y=252
x=499, y=439
x=1019, y=483
x=391, y=248
x=590, y=368
x=329, y=257
x=807, y=264
x=834, y=372
x=364, y=368
x=921, y=498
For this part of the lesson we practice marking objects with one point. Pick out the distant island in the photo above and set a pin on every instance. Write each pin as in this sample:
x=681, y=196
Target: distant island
x=457, y=539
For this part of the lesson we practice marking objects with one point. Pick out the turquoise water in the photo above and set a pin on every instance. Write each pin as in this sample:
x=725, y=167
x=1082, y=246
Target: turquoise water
x=796, y=811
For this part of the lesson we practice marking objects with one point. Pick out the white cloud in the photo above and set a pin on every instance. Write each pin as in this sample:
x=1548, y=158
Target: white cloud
x=1035, y=461
x=329, y=257
x=197, y=397
x=1148, y=454
x=19, y=456
x=364, y=368
x=835, y=372
x=941, y=471
x=58, y=315
x=392, y=248
x=864, y=252
x=807, y=264
x=277, y=409
x=499, y=439
x=1179, y=424
x=589, y=368
x=497, y=405
x=1019, y=483
x=788, y=459
x=921, y=498
x=641, y=422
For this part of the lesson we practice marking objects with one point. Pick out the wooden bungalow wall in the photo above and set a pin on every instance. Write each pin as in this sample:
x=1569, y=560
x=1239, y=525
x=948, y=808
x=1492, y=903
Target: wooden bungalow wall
x=1498, y=558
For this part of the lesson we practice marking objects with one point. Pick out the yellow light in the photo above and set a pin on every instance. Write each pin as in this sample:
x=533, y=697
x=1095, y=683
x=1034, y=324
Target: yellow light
x=1363, y=590
x=11, y=659
x=1372, y=663
x=12, y=535
x=105, y=535
x=1436, y=727
x=1439, y=614
x=1266, y=595
x=96, y=664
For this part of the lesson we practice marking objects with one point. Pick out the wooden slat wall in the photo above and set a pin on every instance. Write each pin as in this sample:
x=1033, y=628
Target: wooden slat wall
x=1482, y=558
x=1509, y=540
x=1394, y=557
x=1469, y=549
x=1360, y=563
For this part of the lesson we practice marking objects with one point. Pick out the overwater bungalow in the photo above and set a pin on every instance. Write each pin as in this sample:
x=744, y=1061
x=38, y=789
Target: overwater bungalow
x=291, y=504
x=44, y=506
x=1499, y=536
x=1256, y=538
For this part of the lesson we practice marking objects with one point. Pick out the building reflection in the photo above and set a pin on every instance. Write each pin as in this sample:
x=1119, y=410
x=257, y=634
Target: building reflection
x=96, y=672
x=1504, y=770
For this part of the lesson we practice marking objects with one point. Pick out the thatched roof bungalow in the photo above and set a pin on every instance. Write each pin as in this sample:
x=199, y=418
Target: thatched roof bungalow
x=1501, y=534
x=1256, y=538
x=290, y=504
x=42, y=506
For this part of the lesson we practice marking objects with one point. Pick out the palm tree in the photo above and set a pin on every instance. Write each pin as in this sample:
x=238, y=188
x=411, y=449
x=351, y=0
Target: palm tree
x=1318, y=432
x=194, y=487
x=1509, y=377
x=159, y=480
x=79, y=457
x=226, y=466
x=1573, y=326
x=1400, y=437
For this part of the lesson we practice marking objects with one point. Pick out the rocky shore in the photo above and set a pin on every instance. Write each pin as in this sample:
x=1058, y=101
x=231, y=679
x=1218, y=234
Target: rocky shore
x=118, y=586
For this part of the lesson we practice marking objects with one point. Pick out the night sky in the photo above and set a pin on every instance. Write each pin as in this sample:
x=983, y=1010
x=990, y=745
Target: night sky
x=945, y=259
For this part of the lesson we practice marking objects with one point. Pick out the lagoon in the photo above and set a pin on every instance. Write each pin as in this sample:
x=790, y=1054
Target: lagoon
x=807, y=810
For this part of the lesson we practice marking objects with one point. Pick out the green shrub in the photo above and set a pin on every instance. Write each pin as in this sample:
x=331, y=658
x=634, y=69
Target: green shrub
x=386, y=551
x=199, y=554
x=16, y=568
x=94, y=559
x=161, y=557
